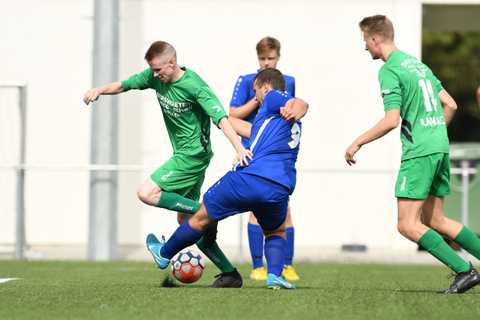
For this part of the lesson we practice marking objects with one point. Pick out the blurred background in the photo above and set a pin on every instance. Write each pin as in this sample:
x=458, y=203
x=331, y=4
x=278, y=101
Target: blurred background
x=50, y=54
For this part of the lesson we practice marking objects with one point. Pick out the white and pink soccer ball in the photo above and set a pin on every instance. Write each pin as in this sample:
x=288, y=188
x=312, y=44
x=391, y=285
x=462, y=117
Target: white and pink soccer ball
x=187, y=266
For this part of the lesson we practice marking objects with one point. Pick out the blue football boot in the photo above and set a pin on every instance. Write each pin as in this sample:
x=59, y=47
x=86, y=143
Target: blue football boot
x=154, y=246
x=278, y=282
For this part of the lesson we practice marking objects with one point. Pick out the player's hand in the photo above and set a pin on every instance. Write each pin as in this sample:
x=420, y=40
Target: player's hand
x=350, y=153
x=289, y=113
x=243, y=156
x=91, y=95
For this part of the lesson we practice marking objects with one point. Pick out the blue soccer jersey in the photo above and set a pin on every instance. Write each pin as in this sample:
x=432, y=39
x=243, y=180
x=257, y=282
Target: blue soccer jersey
x=274, y=142
x=243, y=92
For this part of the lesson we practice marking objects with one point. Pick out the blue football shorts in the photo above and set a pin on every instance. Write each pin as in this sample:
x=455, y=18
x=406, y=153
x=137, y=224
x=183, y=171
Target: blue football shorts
x=237, y=192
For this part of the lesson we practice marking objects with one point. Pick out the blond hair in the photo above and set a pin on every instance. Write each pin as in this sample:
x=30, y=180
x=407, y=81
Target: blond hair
x=378, y=25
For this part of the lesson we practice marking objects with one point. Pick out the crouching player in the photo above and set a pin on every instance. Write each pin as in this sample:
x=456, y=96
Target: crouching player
x=263, y=186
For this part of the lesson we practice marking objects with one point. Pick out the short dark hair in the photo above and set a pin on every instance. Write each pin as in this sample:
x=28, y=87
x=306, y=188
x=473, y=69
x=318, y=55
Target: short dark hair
x=272, y=77
x=159, y=48
x=377, y=25
x=268, y=43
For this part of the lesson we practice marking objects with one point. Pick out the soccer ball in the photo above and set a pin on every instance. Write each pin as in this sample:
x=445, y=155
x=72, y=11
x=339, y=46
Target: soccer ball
x=187, y=266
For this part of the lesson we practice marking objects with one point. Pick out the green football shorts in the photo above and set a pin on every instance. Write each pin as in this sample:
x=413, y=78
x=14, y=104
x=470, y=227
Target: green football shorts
x=423, y=176
x=182, y=174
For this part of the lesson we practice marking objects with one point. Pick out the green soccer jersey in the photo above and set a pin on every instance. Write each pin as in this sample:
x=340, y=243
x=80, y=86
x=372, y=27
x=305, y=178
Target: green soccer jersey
x=409, y=85
x=187, y=106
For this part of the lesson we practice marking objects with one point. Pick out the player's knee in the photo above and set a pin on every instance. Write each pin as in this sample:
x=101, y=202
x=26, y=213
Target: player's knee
x=402, y=228
x=199, y=223
x=436, y=223
x=278, y=232
x=143, y=196
x=406, y=229
x=252, y=219
x=181, y=217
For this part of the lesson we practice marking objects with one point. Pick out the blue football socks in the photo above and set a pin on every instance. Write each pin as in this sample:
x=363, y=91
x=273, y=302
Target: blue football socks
x=255, y=241
x=290, y=232
x=183, y=237
x=275, y=254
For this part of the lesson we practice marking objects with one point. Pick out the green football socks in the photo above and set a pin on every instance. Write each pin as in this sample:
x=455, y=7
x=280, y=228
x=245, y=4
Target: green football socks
x=215, y=254
x=175, y=202
x=437, y=247
x=469, y=241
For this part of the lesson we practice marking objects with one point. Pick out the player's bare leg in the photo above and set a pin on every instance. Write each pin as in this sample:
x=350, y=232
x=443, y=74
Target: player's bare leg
x=409, y=224
x=151, y=194
x=411, y=227
x=434, y=216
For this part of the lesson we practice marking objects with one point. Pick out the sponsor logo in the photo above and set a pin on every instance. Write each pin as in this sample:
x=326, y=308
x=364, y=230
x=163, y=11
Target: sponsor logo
x=415, y=66
x=432, y=121
x=217, y=108
x=183, y=206
x=166, y=176
x=173, y=108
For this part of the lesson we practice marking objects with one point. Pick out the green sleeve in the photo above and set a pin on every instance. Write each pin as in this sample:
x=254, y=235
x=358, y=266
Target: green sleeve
x=437, y=84
x=390, y=89
x=138, y=81
x=210, y=103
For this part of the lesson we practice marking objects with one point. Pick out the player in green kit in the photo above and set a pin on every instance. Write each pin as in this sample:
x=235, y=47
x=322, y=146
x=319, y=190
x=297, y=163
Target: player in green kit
x=188, y=105
x=413, y=95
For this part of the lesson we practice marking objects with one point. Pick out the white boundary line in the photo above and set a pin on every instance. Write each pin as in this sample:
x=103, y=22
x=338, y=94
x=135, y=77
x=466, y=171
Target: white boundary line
x=3, y=280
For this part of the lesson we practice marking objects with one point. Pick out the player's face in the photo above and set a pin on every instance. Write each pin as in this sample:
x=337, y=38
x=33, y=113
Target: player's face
x=260, y=92
x=163, y=68
x=268, y=59
x=372, y=46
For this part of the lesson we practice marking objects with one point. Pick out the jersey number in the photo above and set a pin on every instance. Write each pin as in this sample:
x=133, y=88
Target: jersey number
x=296, y=133
x=428, y=96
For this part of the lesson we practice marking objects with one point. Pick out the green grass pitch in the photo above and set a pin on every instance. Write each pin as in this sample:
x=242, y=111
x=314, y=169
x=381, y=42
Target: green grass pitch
x=132, y=290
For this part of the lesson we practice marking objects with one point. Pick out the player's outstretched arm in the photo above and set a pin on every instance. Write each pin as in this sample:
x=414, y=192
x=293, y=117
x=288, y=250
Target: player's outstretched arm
x=390, y=121
x=93, y=94
x=294, y=109
x=243, y=155
x=242, y=128
x=448, y=104
x=245, y=110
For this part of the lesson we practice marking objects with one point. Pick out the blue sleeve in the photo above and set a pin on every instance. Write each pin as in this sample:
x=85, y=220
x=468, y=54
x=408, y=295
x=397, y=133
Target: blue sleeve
x=240, y=93
x=274, y=100
x=291, y=87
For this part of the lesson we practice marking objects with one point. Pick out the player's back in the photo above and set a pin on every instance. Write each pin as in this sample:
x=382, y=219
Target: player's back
x=409, y=84
x=274, y=142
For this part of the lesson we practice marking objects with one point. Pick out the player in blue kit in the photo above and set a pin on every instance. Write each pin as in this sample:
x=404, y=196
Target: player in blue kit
x=244, y=105
x=263, y=186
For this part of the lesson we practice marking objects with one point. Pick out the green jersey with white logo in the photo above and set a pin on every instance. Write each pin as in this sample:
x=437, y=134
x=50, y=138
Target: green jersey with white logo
x=187, y=106
x=409, y=85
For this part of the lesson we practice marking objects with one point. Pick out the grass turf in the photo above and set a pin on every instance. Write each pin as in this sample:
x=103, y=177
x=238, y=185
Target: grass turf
x=133, y=290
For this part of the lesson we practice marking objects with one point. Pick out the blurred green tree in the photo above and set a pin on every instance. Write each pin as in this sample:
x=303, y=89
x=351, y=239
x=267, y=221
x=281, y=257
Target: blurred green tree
x=454, y=57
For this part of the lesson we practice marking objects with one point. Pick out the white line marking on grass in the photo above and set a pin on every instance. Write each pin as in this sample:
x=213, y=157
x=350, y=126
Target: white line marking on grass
x=3, y=280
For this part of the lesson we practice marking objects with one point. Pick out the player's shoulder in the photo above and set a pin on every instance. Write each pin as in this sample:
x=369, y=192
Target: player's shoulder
x=247, y=77
x=278, y=96
x=288, y=78
x=386, y=71
x=191, y=77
